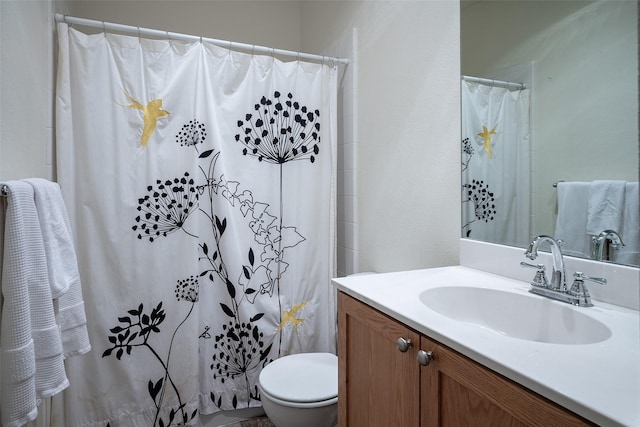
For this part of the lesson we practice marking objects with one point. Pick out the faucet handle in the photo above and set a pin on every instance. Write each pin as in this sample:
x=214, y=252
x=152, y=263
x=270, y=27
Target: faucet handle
x=540, y=279
x=580, y=276
x=539, y=267
x=579, y=290
x=617, y=245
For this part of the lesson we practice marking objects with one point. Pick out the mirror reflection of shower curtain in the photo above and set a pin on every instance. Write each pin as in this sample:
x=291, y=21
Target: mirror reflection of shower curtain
x=495, y=164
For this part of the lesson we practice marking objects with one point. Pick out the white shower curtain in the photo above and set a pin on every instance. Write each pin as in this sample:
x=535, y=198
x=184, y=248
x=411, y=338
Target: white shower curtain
x=495, y=164
x=200, y=185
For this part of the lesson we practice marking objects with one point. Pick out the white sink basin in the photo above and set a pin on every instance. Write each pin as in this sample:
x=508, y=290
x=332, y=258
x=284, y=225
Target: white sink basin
x=522, y=316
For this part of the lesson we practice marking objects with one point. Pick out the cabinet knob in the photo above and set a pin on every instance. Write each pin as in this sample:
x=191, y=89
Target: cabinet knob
x=425, y=357
x=403, y=344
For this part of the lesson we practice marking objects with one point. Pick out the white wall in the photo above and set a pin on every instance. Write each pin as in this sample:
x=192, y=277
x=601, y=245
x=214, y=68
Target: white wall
x=261, y=22
x=25, y=90
x=585, y=93
x=408, y=126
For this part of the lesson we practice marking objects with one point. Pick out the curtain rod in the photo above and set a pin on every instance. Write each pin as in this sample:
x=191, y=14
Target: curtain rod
x=188, y=37
x=491, y=82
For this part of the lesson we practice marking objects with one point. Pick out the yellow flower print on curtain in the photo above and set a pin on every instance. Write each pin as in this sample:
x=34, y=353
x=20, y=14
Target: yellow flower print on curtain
x=289, y=316
x=486, y=137
x=150, y=115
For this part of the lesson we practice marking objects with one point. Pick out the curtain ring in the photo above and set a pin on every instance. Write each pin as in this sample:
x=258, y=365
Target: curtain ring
x=139, y=36
x=104, y=28
x=253, y=50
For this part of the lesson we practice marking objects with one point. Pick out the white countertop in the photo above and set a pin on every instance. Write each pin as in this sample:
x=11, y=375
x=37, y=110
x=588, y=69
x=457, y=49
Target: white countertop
x=599, y=381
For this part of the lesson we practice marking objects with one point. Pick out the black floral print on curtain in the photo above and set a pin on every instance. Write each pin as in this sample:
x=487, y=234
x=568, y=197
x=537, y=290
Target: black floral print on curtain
x=475, y=192
x=278, y=130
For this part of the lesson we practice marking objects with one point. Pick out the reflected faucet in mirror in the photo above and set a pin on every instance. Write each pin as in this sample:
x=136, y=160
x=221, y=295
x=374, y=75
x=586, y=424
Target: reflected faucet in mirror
x=608, y=239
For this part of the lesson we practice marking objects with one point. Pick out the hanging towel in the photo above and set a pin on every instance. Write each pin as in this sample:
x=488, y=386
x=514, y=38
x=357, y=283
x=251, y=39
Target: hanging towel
x=62, y=266
x=58, y=246
x=630, y=233
x=18, y=363
x=50, y=376
x=50, y=373
x=572, y=218
x=605, y=206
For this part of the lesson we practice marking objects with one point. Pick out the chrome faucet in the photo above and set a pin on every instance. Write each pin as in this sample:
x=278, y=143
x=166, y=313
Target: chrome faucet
x=558, y=274
x=599, y=242
x=557, y=287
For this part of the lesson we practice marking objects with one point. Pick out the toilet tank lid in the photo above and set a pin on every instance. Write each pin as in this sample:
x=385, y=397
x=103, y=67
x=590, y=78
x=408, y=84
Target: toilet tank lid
x=304, y=377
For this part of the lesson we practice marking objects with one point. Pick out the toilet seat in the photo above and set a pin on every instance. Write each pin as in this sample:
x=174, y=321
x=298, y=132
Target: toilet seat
x=302, y=378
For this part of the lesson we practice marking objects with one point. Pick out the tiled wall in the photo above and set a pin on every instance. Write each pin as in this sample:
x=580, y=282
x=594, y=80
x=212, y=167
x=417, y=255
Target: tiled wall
x=347, y=201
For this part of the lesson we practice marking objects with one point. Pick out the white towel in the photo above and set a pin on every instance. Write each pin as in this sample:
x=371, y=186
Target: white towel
x=58, y=245
x=572, y=218
x=62, y=266
x=50, y=375
x=18, y=390
x=605, y=206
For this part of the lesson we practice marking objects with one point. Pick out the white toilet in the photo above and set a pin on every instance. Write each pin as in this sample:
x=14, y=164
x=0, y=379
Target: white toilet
x=301, y=390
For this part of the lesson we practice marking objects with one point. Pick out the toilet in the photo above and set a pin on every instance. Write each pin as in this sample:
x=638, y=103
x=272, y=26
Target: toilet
x=301, y=390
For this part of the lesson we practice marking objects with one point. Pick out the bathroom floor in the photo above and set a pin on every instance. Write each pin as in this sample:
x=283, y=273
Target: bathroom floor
x=253, y=422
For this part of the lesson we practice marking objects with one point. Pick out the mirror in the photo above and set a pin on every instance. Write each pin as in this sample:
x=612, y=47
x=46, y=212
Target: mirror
x=579, y=62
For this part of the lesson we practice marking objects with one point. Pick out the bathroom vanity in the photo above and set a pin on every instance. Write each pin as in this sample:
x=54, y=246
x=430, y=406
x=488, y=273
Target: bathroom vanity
x=407, y=360
x=383, y=386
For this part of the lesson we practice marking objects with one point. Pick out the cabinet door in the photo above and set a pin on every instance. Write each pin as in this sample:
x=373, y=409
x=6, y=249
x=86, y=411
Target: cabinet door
x=458, y=392
x=378, y=384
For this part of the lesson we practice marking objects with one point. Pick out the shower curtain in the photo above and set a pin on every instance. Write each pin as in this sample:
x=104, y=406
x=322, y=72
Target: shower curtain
x=495, y=164
x=200, y=185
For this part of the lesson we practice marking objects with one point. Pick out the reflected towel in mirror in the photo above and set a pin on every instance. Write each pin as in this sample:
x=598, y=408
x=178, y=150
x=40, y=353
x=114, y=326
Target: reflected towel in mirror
x=630, y=232
x=571, y=222
x=605, y=206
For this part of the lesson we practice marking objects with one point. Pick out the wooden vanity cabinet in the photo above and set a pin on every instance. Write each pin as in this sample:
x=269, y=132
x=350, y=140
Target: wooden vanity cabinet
x=377, y=384
x=380, y=386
